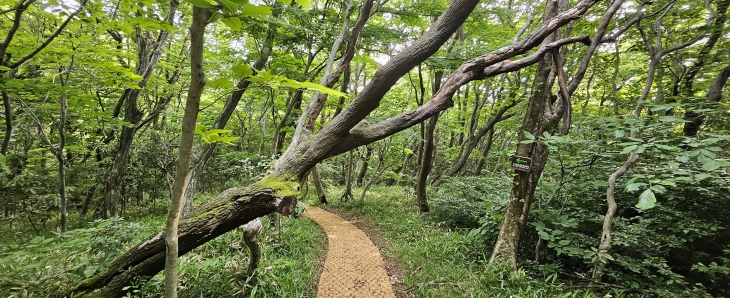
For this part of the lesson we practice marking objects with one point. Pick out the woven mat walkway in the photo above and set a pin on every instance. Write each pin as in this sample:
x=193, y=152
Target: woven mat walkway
x=353, y=267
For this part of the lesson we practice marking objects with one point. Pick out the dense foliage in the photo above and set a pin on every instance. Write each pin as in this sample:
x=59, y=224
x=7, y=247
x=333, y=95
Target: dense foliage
x=93, y=97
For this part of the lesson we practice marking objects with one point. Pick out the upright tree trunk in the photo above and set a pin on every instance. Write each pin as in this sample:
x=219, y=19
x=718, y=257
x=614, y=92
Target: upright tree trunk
x=60, y=157
x=318, y=185
x=8, y=123
x=538, y=119
x=197, y=82
x=149, y=52
x=364, y=161
x=347, y=194
x=278, y=191
x=484, y=152
x=714, y=95
x=426, y=164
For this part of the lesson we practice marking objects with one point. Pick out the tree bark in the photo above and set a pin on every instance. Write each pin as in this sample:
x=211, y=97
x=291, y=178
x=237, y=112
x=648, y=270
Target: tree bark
x=714, y=94
x=364, y=162
x=149, y=52
x=278, y=191
x=538, y=119
x=318, y=186
x=190, y=116
x=426, y=164
x=8, y=123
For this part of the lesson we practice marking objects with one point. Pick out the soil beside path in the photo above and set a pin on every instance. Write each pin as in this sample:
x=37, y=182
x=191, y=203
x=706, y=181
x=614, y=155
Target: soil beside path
x=354, y=267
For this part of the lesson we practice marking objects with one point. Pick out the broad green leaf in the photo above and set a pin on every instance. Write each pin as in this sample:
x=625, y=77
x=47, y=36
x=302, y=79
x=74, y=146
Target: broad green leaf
x=564, y=242
x=233, y=23
x=529, y=136
x=647, y=200
x=708, y=153
x=628, y=149
x=321, y=89
x=658, y=188
x=682, y=158
x=635, y=186
x=221, y=83
x=304, y=3
x=256, y=11
x=2, y=67
x=242, y=71
x=203, y=3
x=229, y=5
x=702, y=176
x=710, y=166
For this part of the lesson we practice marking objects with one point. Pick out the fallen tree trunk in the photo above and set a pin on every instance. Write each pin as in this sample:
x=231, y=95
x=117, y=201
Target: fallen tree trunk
x=232, y=208
x=279, y=190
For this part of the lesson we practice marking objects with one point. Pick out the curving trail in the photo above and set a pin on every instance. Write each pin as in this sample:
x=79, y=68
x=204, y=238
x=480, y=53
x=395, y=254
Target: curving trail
x=353, y=267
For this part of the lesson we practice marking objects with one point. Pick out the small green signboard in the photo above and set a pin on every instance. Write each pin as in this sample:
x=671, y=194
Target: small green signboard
x=521, y=163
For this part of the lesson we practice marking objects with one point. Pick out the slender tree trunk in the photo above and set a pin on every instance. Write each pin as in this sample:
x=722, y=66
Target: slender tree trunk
x=197, y=82
x=348, y=184
x=278, y=191
x=426, y=164
x=484, y=152
x=714, y=95
x=364, y=161
x=62, y=162
x=318, y=185
x=149, y=53
x=8, y=123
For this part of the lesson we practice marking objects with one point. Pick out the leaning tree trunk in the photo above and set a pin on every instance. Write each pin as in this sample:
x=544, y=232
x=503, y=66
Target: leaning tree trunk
x=278, y=191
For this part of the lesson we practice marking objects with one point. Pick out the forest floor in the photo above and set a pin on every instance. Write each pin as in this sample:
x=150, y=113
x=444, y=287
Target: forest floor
x=354, y=267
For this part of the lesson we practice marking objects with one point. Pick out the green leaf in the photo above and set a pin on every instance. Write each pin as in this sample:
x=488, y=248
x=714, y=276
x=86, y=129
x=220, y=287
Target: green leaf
x=529, y=136
x=647, y=200
x=658, y=188
x=203, y=3
x=2, y=67
x=233, y=23
x=229, y=5
x=222, y=83
x=564, y=242
x=702, y=176
x=304, y=3
x=710, y=166
x=256, y=11
x=628, y=149
x=635, y=186
x=682, y=158
x=708, y=153
x=242, y=71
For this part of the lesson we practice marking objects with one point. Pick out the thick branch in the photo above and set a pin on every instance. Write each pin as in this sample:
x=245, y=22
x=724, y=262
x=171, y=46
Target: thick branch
x=442, y=100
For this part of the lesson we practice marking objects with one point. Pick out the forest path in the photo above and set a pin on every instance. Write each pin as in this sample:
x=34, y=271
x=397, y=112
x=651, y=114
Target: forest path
x=354, y=267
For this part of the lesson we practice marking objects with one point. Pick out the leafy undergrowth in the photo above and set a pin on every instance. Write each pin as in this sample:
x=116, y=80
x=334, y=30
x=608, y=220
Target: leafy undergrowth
x=48, y=264
x=440, y=261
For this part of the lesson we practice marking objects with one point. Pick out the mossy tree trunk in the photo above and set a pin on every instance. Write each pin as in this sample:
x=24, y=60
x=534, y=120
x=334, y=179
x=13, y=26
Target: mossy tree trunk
x=278, y=191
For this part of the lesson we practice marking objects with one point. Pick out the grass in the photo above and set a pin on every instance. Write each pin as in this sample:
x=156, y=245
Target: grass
x=438, y=261
x=39, y=266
